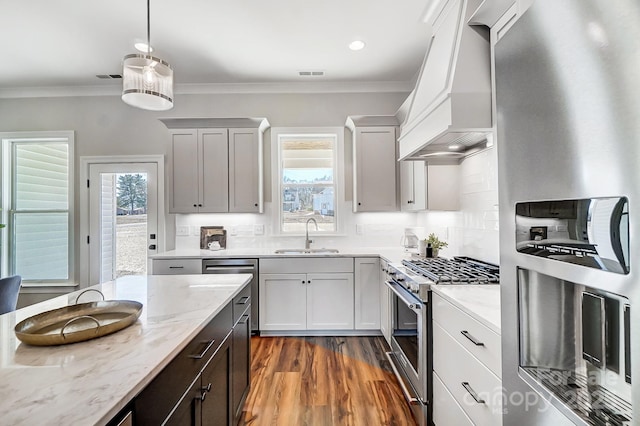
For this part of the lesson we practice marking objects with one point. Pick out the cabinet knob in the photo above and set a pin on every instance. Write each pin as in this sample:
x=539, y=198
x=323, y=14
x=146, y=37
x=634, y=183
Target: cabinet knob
x=195, y=205
x=359, y=204
x=303, y=281
x=199, y=205
x=410, y=202
x=256, y=204
x=309, y=282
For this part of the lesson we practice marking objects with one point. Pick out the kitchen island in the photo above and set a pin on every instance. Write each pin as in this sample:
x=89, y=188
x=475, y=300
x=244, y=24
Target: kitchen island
x=90, y=382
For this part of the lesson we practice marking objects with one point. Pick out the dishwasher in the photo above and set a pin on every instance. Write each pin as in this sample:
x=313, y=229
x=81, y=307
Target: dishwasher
x=238, y=266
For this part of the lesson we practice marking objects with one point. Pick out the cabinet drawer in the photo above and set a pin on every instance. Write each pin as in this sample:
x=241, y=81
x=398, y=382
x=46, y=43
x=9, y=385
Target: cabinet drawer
x=176, y=266
x=306, y=265
x=463, y=375
x=446, y=411
x=465, y=330
x=241, y=302
x=168, y=386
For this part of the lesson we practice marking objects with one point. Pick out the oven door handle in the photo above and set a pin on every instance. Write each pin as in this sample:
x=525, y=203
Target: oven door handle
x=412, y=304
x=412, y=400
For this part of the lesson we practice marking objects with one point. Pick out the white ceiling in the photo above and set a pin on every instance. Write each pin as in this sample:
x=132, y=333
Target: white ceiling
x=64, y=44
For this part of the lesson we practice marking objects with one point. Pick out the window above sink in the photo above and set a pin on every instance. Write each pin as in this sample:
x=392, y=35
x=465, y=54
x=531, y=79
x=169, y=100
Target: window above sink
x=307, y=170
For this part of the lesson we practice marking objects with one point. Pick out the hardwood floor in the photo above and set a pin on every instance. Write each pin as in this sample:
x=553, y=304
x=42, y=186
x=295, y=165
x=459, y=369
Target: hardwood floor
x=319, y=381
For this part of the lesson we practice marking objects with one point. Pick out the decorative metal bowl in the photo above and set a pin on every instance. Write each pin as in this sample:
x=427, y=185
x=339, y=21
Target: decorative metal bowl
x=77, y=323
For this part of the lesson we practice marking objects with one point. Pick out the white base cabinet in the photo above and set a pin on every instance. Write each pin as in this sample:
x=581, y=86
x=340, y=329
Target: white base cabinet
x=306, y=301
x=385, y=302
x=466, y=367
x=367, y=296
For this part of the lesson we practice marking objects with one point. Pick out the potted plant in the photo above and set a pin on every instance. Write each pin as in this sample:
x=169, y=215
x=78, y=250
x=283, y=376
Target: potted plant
x=436, y=243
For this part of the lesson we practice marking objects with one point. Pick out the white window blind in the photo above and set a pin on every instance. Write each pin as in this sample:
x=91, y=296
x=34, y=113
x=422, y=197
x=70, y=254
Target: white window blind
x=40, y=208
x=307, y=182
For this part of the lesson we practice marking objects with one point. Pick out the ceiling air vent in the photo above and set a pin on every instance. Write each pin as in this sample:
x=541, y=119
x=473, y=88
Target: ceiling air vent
x=108, y=76
x=311, y=73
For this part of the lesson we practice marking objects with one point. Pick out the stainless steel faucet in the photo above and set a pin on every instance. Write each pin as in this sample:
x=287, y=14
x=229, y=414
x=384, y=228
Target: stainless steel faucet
x=307, y=241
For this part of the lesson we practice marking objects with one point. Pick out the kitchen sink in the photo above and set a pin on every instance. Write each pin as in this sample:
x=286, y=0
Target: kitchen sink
x=306, y=251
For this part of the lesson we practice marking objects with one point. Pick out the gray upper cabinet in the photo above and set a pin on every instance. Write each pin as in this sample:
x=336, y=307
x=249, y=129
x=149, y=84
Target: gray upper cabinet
x=245, y=171
x=429, y=186
x=216, y=168
x=375, y=169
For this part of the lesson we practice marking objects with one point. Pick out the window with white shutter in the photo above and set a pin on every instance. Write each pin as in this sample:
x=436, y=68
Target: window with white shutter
x=40, y=207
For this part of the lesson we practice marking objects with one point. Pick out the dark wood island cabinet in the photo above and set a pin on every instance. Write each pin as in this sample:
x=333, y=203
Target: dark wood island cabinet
x=208, y=381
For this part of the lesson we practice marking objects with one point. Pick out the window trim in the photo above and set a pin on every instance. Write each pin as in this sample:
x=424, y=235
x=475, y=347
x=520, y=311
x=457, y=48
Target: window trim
x=7, y=140
x=276, y=178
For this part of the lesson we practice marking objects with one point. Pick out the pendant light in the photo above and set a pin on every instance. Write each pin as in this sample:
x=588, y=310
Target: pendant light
x=147, y=81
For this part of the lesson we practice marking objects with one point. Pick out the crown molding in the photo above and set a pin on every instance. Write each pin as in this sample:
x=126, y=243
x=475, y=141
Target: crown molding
x=217, y=88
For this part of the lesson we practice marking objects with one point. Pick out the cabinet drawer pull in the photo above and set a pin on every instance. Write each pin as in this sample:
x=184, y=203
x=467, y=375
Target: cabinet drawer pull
x=206, y=349
x=473, y=340
x=207, y=388
x=203, y=395
x=244, y=319
x=176, y=267
x=243, y=300
x=473, y=394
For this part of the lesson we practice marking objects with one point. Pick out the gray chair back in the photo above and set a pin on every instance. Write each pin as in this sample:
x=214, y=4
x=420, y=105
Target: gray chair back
x=9, y=289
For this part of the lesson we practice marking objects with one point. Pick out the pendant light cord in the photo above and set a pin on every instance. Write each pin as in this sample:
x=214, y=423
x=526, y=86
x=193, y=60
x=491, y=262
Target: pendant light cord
x=149, y=27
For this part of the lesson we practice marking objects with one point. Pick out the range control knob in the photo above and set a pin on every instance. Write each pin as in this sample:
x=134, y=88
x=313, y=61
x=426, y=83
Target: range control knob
x=399, y=277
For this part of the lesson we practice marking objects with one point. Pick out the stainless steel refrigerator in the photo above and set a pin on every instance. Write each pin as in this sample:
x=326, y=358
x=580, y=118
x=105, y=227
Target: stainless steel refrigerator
x=568, y=104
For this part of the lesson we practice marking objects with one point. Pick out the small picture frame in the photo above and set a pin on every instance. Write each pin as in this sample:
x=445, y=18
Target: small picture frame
x=209, y=234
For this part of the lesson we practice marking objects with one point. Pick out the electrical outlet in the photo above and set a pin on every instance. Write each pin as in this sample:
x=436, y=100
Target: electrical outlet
x=359, y=229
x=195, y=230
x=258, y=229
x=233, y=230
x=182, y=230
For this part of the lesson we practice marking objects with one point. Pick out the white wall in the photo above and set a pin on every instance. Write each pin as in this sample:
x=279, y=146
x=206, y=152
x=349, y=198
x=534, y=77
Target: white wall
x=473, y=231
x=378, y=230
x=104, y=125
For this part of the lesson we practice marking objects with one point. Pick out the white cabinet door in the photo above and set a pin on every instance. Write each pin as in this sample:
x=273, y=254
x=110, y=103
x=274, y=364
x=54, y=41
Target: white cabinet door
x=367, y=295
x=283, y=301
x=385, y=303
x=443, y=187
x=429, y=186
x=184, y=190
x=214, y=170
x=413, y=185
x=245, y=171
x=375, y=169
x=329, y=301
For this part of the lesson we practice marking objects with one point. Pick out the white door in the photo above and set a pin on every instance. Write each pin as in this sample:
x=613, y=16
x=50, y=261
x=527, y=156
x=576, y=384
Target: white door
x=123, y=219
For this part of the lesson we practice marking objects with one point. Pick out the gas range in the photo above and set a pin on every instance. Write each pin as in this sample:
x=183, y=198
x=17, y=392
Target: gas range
x=418, y=274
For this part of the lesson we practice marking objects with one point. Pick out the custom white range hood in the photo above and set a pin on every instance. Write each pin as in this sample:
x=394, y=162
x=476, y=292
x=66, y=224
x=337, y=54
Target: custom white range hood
x=451, y=103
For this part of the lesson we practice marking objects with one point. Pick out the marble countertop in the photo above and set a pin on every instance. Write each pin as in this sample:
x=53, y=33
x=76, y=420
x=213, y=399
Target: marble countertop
x=89, y=382
x=482, y=302
x=391, y=254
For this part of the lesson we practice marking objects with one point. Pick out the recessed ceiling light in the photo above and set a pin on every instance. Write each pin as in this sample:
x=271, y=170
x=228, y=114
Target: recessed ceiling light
x=142, y=47
x=454, y=147
x=356, y=45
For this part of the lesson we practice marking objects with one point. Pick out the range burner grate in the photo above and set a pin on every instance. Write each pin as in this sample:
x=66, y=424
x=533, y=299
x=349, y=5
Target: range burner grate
x=593, y=403
x=459, y=270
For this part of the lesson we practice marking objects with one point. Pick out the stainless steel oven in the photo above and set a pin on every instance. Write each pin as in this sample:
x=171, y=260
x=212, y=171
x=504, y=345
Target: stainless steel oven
x=410, y=343
x=411, y=335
